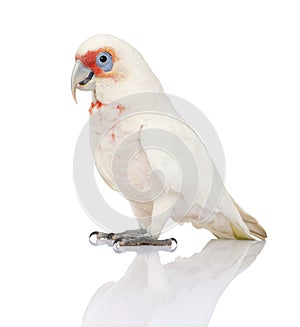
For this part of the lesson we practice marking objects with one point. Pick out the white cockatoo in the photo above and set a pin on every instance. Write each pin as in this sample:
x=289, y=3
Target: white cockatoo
x=121, y=84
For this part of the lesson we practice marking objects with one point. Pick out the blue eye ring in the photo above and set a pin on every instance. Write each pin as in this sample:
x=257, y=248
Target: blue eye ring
x=104, y=61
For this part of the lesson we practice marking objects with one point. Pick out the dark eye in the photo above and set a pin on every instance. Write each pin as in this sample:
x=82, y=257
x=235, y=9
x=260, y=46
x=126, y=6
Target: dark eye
x=104, y=61
x=103, y=58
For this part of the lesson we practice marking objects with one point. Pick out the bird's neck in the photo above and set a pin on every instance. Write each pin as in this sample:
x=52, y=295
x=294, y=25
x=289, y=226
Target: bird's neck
x=110, y=90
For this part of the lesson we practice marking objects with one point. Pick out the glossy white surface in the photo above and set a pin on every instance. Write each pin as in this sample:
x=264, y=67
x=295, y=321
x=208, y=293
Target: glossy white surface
x=181, y=293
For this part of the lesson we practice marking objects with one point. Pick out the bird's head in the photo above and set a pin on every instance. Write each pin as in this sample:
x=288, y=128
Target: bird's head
x=111, y=69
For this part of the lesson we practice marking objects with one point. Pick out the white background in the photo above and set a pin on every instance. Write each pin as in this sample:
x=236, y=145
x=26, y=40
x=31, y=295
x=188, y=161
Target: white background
x=238, y=61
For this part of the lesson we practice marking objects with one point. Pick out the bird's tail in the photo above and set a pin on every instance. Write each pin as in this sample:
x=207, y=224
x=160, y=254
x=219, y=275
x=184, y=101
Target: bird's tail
x=255, y=228
x=237, y=224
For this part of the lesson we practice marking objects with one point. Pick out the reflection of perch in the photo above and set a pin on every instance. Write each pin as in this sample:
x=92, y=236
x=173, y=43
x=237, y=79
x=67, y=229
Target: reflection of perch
x=181, y=293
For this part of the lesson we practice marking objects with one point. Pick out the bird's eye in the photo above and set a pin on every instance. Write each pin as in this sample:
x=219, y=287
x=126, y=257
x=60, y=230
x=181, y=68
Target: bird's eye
x=103, y=58
x=104, y=61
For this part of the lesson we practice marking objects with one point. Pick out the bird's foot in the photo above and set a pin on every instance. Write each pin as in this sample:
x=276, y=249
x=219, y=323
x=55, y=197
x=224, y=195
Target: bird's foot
x=131, y=240
x=100, y=238
x=133, y=243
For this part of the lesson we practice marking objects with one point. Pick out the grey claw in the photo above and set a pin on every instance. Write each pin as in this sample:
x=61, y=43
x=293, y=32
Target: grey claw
x=98, y=238
x=93, y=238
x=174, y=244
x=117, y=245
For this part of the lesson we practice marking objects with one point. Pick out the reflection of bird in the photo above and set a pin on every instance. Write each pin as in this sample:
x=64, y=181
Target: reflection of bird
x=180, y=293
x=111, y=69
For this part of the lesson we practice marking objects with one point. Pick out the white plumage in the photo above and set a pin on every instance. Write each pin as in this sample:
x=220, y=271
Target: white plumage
x=122, y=129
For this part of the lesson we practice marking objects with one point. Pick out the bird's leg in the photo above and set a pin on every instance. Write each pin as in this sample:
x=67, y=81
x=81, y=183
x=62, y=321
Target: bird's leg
x=131, y=239
x=161, y=211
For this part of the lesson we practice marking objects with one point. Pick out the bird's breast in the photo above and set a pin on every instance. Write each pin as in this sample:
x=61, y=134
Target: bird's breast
x=119, y=156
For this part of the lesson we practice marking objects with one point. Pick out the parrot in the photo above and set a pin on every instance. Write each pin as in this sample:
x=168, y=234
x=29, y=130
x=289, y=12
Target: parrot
x=120, y=80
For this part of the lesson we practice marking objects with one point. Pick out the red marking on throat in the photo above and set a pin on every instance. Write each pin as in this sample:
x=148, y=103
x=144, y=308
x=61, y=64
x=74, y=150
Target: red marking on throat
x=120, y=107
x=97, y=104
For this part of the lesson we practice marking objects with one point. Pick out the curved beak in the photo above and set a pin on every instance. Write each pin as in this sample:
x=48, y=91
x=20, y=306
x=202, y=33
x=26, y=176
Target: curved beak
x=81, y=77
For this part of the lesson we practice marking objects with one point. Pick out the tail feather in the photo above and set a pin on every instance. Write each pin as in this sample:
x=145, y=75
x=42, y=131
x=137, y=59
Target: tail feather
x=235, y=224
x=255, y=228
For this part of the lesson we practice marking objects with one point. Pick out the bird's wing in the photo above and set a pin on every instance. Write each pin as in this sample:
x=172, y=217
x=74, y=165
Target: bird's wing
x=187, y=169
